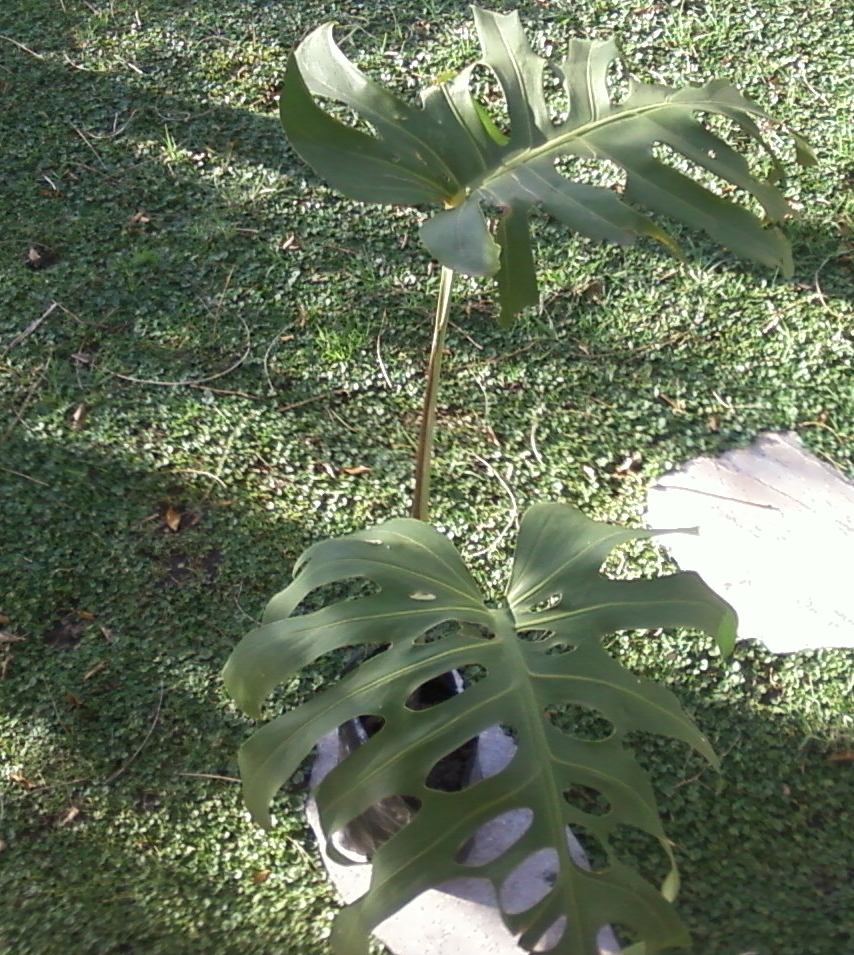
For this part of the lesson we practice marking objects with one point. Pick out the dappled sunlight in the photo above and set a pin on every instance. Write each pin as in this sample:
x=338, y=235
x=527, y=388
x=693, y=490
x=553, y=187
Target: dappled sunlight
x=209, y=360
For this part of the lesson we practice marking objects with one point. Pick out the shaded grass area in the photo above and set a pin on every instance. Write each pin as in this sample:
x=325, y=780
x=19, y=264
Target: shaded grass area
x=151, y=502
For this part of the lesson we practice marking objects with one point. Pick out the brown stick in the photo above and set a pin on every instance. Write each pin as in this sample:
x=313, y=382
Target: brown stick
x=424, y=452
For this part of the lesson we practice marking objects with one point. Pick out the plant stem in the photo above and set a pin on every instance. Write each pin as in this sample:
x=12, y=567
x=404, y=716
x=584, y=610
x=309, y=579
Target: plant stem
x=424, y=453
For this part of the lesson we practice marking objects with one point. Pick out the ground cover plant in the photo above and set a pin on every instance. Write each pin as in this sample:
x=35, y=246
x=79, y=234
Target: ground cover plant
x=181, y=219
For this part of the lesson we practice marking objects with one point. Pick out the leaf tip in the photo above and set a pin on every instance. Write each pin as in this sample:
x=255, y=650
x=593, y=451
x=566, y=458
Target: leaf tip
x=506, y=316
x=670, y=886
x=693, y=531
x=727, y=631
x=663, y=237
x=261, y=817
x=238, y=691
x=804, y=153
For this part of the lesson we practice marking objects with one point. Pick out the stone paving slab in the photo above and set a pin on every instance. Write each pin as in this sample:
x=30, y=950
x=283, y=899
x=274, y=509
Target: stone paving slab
x=776, y=539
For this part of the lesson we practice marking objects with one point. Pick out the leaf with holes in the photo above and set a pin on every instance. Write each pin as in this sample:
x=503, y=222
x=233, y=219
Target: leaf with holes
x=449, y=152
x=419, y=584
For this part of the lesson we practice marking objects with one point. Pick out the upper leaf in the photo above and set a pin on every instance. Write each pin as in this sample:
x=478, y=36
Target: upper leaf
x=447, y=151
x=557, y=590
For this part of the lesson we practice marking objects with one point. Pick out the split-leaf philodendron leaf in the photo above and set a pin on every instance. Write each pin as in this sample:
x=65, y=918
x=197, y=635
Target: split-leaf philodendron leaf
x=448, y=152
x=420, y=584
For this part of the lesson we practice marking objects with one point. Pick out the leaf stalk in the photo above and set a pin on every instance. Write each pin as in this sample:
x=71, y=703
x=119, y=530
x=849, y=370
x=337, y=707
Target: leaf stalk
x=424, y=451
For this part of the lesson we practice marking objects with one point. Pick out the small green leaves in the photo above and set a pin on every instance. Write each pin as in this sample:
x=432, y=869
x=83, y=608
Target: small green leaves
x=449, y=152
x=557, y=591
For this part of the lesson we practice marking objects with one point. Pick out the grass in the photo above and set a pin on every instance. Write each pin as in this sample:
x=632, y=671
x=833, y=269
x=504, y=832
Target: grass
x=225, y=345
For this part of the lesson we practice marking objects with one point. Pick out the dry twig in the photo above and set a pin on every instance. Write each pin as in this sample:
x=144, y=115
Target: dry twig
x=88, y=142
x=22, y=46
x=34, y=324
x=194, y=382
x=380, y=362
x=27, y=399
x=225, y=779
x=26, y=477
x=123, y=769
x=514, y=507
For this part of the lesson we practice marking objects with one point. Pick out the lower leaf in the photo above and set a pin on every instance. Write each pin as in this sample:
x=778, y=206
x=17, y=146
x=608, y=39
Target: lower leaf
x=539, y=650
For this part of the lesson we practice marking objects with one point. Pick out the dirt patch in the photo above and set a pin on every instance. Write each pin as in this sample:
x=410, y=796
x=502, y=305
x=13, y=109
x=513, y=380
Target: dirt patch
x=65, y=633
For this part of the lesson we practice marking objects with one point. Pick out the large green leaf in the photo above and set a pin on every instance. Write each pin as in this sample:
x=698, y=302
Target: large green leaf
x=447, y=151
x=558, y=591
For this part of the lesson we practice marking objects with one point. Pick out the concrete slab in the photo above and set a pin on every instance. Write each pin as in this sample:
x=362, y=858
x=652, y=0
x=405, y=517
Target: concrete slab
x=461, y=916
x=776, y=539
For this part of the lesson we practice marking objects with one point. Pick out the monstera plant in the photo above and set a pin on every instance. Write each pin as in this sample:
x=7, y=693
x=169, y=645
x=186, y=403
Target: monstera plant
x=420, y=614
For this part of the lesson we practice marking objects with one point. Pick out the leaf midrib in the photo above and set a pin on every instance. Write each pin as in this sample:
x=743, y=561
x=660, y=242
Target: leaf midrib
x=453, y=613
x=592, y=608
x=522, y=157
x=505, y=631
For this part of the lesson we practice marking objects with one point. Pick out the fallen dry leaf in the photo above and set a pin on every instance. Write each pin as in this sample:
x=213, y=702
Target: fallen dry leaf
x=139, y=218
x=106, y=633
x=73, y=700
x=178, y=519
x=22, y=780
x=844, y=756
x=172, y=519
x=85, y=615
x=592, y=291
x=356, y=469
x=78, y=417
x=4, y=619
x=69, y=817
x=261, y=876
x=100, y=665
x=6, y=637
x=39, y=256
